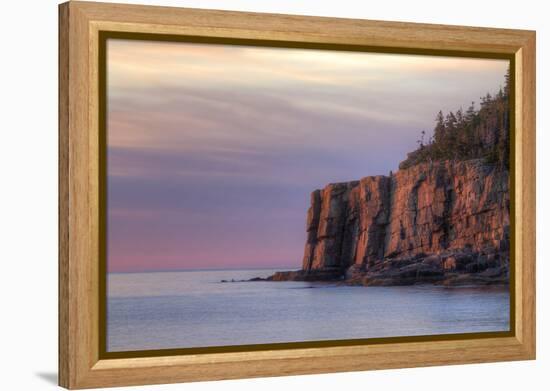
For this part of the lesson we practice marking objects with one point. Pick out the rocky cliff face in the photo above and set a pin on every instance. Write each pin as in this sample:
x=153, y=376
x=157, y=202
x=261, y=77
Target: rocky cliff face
x=445, y=222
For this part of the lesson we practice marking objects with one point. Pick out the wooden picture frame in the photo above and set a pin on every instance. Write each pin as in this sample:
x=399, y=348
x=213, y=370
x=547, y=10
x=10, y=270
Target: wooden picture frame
x=81, y=364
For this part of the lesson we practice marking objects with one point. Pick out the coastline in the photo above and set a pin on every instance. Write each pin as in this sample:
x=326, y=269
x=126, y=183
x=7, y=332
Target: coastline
x=451, y=269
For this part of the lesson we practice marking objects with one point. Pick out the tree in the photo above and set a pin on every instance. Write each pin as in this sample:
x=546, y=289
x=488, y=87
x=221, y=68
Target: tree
x=439, y=131
x=482, y=133
x=507, y=83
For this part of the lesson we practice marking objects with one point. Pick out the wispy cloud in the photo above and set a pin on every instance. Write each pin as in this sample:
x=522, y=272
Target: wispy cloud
x=213, y=149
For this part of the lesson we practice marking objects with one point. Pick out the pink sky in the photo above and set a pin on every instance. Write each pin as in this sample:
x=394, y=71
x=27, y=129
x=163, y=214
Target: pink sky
x=213, y=150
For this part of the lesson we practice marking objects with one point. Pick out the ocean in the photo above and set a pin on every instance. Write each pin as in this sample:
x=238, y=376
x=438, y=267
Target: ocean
x=184, y=309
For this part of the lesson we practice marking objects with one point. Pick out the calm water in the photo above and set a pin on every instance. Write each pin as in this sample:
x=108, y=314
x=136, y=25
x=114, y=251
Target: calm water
x=192, y=309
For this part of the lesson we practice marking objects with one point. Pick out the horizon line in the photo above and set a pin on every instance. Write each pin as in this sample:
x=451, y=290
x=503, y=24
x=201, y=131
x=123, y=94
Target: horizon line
x=202, y=269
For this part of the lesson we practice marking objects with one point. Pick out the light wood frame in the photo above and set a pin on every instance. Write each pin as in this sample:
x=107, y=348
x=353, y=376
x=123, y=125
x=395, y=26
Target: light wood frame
x=80, y=24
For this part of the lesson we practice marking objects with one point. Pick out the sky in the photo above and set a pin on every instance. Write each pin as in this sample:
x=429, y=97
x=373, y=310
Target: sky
x=213, y=150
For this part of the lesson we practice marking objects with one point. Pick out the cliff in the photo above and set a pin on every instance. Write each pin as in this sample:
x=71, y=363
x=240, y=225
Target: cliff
x=439, y=222
x=442, y=218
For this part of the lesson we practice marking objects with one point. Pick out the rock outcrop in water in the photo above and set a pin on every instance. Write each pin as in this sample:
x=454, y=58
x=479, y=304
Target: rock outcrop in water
x=442, y=222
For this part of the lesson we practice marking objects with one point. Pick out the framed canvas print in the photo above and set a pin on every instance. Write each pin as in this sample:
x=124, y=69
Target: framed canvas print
x=248, y=195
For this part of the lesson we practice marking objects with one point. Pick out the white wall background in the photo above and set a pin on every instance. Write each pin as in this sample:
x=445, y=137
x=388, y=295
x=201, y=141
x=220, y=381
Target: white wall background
x=28, y=195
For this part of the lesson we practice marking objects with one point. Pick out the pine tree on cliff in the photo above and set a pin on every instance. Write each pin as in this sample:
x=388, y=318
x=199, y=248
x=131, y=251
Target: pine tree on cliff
x=475, y=134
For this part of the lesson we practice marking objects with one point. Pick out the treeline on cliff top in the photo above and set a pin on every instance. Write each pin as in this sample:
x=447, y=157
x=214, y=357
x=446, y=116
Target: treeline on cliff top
x=471, y=134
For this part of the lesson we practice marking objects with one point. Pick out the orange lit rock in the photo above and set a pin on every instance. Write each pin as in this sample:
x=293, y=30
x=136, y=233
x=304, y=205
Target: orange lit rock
x=413, y=226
